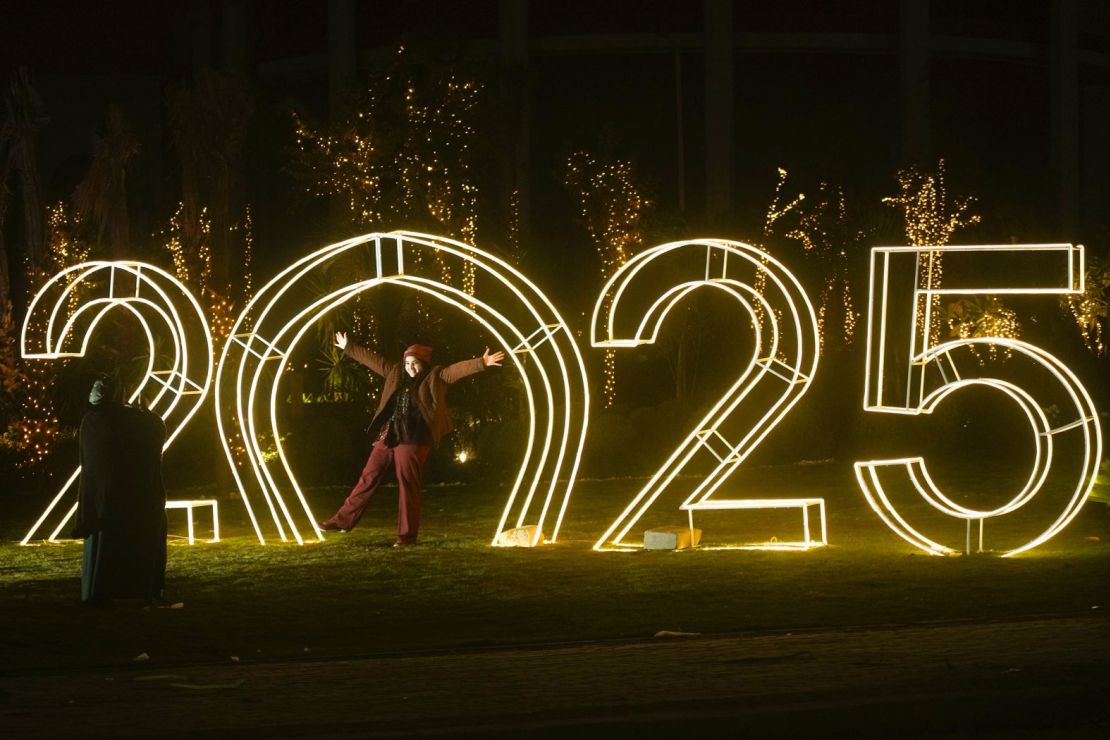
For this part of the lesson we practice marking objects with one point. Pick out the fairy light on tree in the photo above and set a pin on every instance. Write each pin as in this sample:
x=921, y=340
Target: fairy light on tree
x=191, y=252
x=223, y=308
x=931, y=218
x=613, y=206
x=982, y=316
x=403, y=155
x=65, y=247
x=33, y=428
x=516, y=248
x=1091, y=308
x=824, y=231
x=192, y=263
x=248, y=255
x=777, y=209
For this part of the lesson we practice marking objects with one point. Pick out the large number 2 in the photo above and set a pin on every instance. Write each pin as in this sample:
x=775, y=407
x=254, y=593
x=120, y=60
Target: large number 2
x=66, y=311
x=630, y=311
x=926, y=374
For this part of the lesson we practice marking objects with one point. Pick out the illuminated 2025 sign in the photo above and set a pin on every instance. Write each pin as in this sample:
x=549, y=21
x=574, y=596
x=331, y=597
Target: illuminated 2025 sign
x=781, y=367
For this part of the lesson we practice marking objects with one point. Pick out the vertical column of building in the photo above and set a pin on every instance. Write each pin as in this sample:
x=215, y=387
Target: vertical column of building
x=513, y=30
x=1064, y=105
x=342, y=74
x=200, y=35
x=342, y=52
x=718, y=108
x=913, y=64
x=233, y=57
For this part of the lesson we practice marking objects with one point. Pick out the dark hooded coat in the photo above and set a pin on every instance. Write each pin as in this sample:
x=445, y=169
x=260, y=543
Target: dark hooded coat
x=121, y=510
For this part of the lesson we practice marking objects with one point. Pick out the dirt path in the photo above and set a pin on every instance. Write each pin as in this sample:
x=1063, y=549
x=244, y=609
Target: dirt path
x=1009, y=678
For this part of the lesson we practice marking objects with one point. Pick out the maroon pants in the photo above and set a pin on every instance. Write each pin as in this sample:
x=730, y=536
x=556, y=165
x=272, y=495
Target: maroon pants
x=407, y=462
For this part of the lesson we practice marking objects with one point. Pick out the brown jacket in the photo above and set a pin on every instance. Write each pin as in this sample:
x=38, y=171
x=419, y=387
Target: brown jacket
x=431, y=394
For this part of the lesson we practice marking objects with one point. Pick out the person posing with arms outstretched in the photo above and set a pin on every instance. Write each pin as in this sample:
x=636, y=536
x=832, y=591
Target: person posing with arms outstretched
x=411, y=418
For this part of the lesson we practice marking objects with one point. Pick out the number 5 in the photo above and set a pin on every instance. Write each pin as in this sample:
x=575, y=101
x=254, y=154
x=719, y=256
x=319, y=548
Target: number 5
x=932, y=373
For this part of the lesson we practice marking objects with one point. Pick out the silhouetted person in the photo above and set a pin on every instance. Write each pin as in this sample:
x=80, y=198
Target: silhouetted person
x=121, y=509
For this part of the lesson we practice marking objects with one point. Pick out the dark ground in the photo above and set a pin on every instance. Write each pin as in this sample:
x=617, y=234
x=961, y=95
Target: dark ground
x=351, y=638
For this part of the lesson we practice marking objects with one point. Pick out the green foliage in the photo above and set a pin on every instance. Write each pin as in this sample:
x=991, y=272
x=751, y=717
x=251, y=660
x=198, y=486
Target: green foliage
x=1101, y=490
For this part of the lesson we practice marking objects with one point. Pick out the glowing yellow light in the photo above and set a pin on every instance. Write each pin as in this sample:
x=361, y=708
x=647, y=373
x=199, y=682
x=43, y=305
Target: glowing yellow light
x=784, y=360
x=522, y=320
x=1091, y=308
x=931, y=218
x=189, y=506
x=65, y=312
x=436, y=133
x=934, y=371
x=612, y=207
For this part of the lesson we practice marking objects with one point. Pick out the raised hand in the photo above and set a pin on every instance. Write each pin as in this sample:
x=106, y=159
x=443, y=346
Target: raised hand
x=341, y=339
x=493, y=360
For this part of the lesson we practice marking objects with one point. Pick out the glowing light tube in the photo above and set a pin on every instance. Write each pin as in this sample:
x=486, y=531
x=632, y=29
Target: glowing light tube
x=929, y=374
x=630, y=311
x=64, y=315
x=510, y=307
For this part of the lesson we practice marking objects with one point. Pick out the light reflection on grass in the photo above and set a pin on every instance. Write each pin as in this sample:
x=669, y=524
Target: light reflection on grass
x=354, y=594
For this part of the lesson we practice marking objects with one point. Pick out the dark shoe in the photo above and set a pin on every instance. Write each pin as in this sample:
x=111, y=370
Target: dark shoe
x=330, y=526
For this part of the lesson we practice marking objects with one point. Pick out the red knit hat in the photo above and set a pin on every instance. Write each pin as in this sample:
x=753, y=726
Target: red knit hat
x=421, y=352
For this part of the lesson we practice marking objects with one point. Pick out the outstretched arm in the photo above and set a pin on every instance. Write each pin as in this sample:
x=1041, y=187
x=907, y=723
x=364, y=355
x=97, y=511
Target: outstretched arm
x=362, y=355
x=459, y=370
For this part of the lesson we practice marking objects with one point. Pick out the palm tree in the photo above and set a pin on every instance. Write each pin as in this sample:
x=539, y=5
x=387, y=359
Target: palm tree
x=21, y=119
x=208, y=120
x=101, y=198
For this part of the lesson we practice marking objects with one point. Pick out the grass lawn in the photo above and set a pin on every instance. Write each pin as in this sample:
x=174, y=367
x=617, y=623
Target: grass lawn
x=355, y=595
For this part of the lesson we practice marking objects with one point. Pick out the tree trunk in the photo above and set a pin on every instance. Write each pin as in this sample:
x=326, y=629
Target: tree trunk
x=5, y=278
x=31, y=192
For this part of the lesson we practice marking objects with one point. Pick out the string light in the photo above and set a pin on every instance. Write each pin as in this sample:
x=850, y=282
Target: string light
x=983, y=316
x=192, y=263
x=32, y=427
x=613, y=207
x=248, y=255
x=776, y=210
x=515, y=247
x=823, y=230
x=931, y=219
x=33, y=432
x=1091, y=307
x=425, y=170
